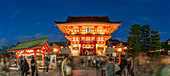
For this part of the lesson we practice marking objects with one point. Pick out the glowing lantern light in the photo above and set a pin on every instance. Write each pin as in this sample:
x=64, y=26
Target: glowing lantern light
x=119, y=49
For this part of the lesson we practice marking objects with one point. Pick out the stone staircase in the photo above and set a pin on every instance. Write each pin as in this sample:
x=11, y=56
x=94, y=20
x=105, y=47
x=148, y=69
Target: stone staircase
x=76, y=60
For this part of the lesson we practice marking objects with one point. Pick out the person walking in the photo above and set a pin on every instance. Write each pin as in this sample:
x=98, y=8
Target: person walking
x=33, y=65
x=25, y=67
x=101, y=60
x=117, y=68
x=97, y=61
x=93, y=62
x=2, y=65
x=110, y=67
x=36, y=69
x=47, y=63
x=66, y=67
x=102, y=66
x=97, y=65
x=44, y=64
x=7, y=63
x=125, y=72
x=88, y=53
x=59, y=65
x=19, y=65
x=130, y=66
x=20, y=62
x=89, y=61
x=82, y=63
x=123, y=64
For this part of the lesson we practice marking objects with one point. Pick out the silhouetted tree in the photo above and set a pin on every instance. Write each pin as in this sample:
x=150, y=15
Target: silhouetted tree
x=155, y=44
x=4, y=47
x=145, y=38
x=134, y=40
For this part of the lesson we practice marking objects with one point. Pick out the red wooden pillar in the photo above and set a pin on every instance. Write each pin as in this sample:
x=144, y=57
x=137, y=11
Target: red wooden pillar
x=26, y=57
x=119, y=57
x=95, y=30
x=79, y=29
x=94, y=48
x=35, y=52
x=81, y=49
x=17, y=59
x=43, y=56
x=56, y=58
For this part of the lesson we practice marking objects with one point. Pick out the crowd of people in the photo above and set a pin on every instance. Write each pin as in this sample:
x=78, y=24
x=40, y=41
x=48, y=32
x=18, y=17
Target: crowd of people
x=24, y=66
x=125, y=68
x=103, y=68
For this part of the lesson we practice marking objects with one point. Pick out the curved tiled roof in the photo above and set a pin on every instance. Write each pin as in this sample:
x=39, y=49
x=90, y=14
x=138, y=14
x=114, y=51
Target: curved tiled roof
x=88, y=19
x=104, y=19
x=29, y=44
x=55, y=45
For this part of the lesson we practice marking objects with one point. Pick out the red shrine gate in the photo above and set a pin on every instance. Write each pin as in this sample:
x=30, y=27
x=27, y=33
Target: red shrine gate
x=88, y=34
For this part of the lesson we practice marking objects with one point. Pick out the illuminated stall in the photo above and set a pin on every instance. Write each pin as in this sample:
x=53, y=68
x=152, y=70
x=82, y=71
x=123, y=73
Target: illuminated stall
x=37, y=48
x=56, y=50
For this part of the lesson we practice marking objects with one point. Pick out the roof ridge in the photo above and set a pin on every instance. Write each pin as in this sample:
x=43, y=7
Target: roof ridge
x=33, y=40
x=87, y=16
x=55, y=45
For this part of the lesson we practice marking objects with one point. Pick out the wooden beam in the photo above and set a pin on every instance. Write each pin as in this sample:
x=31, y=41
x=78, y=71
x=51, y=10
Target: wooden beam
x=32, y=53
x=43, y=56
x=25, y=49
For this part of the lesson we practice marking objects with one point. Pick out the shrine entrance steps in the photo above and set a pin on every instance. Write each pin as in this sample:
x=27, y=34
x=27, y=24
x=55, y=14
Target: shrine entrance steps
x=76, y=60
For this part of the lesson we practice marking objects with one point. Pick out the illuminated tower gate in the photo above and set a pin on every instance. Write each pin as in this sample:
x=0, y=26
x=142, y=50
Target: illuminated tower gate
x=88, y=34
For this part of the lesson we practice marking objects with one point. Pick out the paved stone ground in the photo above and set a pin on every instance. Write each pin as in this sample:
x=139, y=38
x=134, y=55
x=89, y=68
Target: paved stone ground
x=56, y=73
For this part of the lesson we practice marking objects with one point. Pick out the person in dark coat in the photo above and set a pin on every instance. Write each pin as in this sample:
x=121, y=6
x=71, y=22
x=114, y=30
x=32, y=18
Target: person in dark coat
x=103, y=68
x=97, y=65
x=24, y=67
x=110, y=67
x=19, y=65
x=33, y=66
x=125, y=72
x=122, y=66
x=82, y=63
x=47, y=63
x=20, y=62
x=123, y=63
x=89, y=61
x=130, y=66
x=93, y=62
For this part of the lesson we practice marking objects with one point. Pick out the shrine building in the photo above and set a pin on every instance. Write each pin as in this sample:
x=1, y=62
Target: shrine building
x=88, y=34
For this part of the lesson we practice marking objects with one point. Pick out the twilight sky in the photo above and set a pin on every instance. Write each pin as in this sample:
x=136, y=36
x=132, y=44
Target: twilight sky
x=22, y=20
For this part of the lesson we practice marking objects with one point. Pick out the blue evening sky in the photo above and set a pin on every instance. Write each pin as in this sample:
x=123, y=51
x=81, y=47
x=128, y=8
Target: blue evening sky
x=22, y=20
